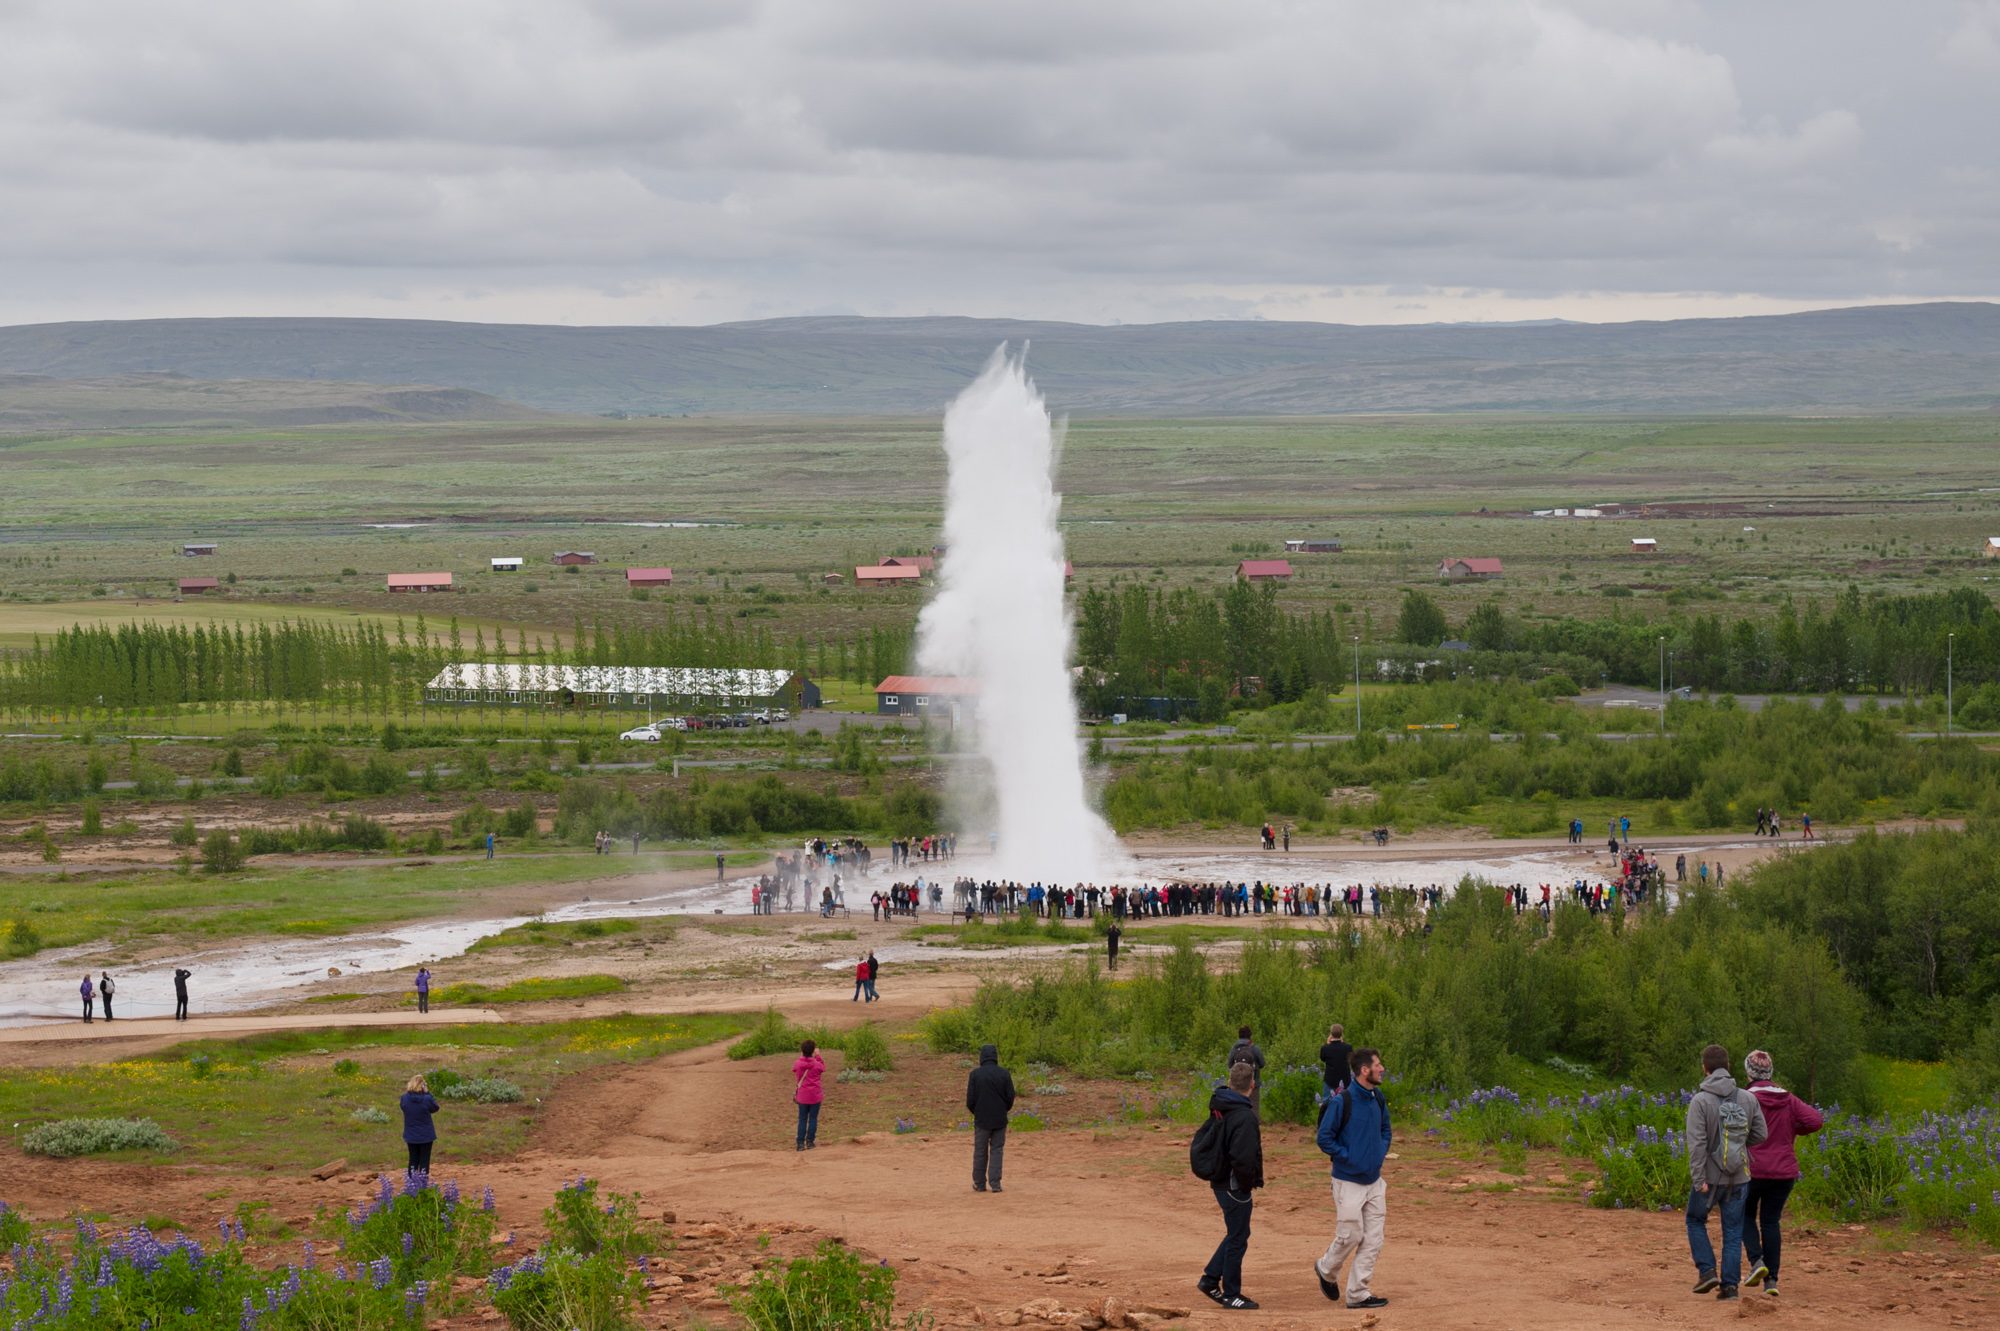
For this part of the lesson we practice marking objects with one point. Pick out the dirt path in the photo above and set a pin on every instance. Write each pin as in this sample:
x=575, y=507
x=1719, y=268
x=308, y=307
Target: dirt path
x=1113, y=1211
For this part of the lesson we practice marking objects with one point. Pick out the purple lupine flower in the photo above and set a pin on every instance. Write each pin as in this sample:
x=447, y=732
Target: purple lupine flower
x=486, y=1200
x=379, y=1272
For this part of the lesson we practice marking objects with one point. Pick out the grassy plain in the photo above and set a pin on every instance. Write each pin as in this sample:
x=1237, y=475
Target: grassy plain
x=290, y=1100
x=1891, y=503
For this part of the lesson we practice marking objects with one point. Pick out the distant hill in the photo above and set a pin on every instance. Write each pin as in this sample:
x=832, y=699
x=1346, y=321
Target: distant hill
x=1909, y=357
x=34, y=402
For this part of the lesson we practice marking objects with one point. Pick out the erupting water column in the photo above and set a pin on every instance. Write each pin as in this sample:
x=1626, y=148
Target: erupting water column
x=999, y=618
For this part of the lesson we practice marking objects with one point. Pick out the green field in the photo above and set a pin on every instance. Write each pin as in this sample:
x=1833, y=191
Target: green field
x=1894, y=504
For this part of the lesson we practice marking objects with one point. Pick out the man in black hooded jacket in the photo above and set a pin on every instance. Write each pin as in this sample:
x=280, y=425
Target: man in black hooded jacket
x=989, y=1094
x=1243, y=1148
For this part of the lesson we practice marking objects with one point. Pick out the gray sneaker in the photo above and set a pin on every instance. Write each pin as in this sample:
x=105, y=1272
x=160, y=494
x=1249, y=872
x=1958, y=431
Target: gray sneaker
x=1707, y=1284
x=1758, y=1274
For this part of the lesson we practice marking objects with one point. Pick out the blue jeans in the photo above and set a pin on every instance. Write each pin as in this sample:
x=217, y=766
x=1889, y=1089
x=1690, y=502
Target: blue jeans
x=1225, y=1268
x=809, y=1129
x=1729, y=1201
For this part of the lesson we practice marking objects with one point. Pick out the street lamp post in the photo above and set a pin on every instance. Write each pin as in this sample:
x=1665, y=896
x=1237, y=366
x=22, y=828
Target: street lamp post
x=1357, y=686
x=1947, y=682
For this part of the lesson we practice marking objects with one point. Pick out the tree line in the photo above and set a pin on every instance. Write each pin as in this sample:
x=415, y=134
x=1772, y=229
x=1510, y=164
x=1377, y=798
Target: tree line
x=1204, y=647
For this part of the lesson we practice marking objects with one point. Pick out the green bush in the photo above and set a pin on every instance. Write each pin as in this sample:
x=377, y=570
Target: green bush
x=482, y=1090
x=93, y=818
x=23, y=939
x=560, y=1290
x=185, y=835
x=93, y=1136
x=866, y=1050
x=833, y=1290
x=220, y=853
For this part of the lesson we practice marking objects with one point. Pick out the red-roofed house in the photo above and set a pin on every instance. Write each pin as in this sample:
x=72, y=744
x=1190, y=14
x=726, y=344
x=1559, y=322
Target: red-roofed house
x=926, y=563
x=888, y=575
x=1477, y=570
x=420, y=582
x=570, y=558
x=923, y=695
x=1264, y=570
x=649, y=577
x=196, y=586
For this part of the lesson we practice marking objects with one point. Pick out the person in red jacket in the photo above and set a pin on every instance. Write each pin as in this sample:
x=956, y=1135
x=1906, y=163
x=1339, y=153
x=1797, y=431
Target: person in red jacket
x=1774, y=1168
x=807, y=1093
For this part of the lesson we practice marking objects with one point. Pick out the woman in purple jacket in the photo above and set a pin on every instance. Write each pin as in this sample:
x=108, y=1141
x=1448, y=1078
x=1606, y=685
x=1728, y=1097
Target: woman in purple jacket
x=1774, y=1168
x=419, y=1133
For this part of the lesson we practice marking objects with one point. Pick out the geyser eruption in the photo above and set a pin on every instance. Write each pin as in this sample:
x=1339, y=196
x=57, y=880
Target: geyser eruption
x=999, y=619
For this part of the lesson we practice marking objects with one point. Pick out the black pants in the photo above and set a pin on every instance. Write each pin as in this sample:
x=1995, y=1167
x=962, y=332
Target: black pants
x=423, y=1000
x=1225, y=1268
x=420, y=1156
x=1114, y=956
x=107, y=1007
x=988, y=1146
x=1762, y=1211
x=180, y=1007
x=87, y=1005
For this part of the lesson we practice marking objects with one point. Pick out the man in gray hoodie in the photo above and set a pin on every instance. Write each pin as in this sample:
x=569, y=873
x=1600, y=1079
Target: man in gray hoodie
x=1723, y=1123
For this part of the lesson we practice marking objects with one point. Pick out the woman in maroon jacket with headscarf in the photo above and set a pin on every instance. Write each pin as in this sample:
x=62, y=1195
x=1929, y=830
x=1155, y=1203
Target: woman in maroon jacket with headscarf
x=1774, y=1168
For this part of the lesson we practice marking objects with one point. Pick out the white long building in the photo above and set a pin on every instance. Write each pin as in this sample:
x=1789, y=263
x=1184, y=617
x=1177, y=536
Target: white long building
x=524, y=684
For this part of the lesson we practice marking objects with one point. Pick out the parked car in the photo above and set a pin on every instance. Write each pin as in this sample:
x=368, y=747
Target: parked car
x=643, y=734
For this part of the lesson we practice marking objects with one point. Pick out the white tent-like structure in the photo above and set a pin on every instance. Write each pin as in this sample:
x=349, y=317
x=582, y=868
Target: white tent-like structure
x=527, y=684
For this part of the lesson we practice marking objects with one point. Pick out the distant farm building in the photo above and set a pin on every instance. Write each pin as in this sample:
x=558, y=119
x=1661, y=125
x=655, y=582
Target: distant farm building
x=1312, y=547
x=574, y=557
x=507, y=564
x=924, y=695
x=520, y=684
x=833, y=580
x=888, y=575
x=419, y=582
x=1991, y=551
x=199, y=548
x=1645, y=545
x=1469, y=570
x=923, y=563
x=196, y=586
x=649, y=577
x=1264, y=570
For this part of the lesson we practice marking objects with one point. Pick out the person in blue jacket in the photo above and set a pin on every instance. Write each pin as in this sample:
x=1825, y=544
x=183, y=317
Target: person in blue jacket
x=1354, y=1130
x=419, y=1133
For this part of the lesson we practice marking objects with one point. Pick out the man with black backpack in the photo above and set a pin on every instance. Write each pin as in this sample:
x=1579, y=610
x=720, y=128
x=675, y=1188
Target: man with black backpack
x=1228, y=1154
x=1245, y=1050
x=1723, y=1123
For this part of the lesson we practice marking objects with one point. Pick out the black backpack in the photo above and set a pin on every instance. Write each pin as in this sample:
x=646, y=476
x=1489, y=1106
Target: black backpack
x=1208, y=1156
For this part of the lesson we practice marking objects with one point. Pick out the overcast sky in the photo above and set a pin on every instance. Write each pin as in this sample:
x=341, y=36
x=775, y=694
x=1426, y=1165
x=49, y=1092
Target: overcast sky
x=692, y=161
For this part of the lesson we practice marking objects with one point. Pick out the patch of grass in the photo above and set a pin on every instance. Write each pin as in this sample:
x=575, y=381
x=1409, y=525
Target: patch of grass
x=535, y=989
x=274, y=1101
x=565, y=933
x=1901, y=1086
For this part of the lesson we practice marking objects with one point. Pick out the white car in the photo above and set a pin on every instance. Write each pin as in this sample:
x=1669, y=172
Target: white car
x=643, y=734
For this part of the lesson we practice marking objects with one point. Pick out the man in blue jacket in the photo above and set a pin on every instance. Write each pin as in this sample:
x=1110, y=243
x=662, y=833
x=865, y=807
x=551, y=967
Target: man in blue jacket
x=1354, y=1130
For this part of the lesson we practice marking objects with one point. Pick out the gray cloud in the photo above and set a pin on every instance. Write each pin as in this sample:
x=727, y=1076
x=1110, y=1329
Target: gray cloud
x=633, y=161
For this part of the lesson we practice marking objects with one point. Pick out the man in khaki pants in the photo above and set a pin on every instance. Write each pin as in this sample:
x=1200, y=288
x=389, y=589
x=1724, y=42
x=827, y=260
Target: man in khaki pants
x=1354, y=1130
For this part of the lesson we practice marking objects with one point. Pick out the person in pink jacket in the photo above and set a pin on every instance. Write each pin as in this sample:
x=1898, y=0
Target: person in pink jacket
x=807, y=1070
x=1774, y=1168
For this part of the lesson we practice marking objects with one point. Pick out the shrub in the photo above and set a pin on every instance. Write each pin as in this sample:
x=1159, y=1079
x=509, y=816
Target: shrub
x=23, y=939
x=422, y=1233
x=93, y=818
x=67, y=1137
x=866, y=1050
x=481, y=1090
x=560, y=1290
x=576, y=1221
x=14, y=1227
x=1651, y=1174
x=1291, y=1095
x=221, y=854
x=833, y=1290
x=369, y=1114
